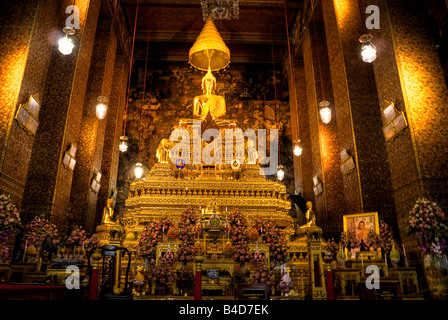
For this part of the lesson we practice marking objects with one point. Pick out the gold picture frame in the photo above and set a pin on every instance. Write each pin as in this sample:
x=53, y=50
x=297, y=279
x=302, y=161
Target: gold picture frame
x=353, y=222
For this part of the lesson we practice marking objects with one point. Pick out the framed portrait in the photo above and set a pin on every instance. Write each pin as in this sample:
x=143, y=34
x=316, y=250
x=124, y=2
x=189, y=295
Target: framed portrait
x=361, y=224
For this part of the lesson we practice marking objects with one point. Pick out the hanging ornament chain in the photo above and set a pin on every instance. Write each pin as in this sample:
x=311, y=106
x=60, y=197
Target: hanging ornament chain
x=318, y=58
x=143, y=99
x=130, y=69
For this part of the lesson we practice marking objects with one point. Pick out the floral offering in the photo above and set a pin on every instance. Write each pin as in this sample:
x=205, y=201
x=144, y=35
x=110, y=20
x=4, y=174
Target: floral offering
x=428, y=223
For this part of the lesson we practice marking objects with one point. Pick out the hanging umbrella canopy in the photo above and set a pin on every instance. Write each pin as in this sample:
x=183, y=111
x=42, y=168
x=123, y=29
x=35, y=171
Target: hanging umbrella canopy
x=209, y=48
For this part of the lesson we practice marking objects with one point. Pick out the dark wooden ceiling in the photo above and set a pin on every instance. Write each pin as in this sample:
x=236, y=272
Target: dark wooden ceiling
x=172, y=27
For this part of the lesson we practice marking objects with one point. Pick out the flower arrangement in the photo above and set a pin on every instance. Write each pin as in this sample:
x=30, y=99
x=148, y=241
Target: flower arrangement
x=38, y=230
x=185, y=279
x=272, y=236
x=152, y=235
x=386, y=236
x=332, y=247
x=264, y=275
x=9, y=216
x=10, y=225
x=239, y=237
x=373, y=241
x=428, y=223
x=91, y=243
x=187, y=233
x=77, y=237
x=163, y=273
x=349, y=240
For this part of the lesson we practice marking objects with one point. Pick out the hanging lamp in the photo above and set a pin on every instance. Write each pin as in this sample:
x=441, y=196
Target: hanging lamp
x=65, y=44
x=368, y=49
x=324, y=105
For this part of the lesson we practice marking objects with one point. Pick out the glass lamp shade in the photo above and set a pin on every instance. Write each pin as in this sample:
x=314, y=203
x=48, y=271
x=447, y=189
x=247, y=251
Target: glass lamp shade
x=297, y=148
x=123, y=144
x=325, y=112
x=368, y=50
x=280, y=173
x=101, y=107
x=138, y=171
x=65, y=44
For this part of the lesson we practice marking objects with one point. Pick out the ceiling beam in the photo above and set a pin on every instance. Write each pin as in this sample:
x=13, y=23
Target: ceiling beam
x=290, y=4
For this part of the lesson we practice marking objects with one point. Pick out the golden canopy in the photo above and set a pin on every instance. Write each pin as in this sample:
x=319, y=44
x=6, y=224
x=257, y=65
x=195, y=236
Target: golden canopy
x=209, y=47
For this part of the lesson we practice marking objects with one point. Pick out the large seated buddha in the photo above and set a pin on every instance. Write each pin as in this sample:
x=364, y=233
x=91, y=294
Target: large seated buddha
x=209, y=103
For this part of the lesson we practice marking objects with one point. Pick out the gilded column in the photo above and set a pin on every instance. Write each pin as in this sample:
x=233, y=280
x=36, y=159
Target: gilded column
x=408, y=73
x=325, y=145
x=48, y=184
x=359, y=125
x=24, y=62
x=114, y=130
x=83, y=197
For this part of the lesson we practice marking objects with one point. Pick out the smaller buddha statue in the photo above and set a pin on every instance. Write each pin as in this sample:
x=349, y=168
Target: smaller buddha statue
x=252, y=154
x=163, y=151
x=108, y=213
x=310, y=216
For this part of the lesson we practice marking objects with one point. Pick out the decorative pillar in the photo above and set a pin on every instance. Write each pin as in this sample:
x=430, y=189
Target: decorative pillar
x=25, y=54
x=329, y=278
x=198, y=277
x=317, y=274
x=93, y=293
x=408, y=73
x=367, y=187
x=111, y=153
x=48, y=184
x=84, y=192
x=325, y=146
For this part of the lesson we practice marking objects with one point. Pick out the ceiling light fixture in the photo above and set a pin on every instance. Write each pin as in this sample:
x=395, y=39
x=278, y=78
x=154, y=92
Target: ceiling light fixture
x=65, y=44
x=220, y=9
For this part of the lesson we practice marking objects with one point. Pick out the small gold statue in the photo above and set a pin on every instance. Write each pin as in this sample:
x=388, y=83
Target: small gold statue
x=209, y=102
x=310, y=216
x=108, y=213
x=163, y=151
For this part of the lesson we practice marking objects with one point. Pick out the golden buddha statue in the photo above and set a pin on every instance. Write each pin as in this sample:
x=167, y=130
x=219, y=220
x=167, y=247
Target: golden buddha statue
x=310, y=216
x=108, y=213
x=209, y=103
x=163, y=151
